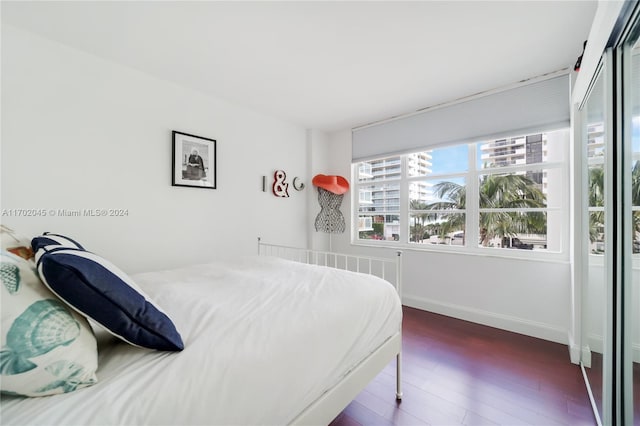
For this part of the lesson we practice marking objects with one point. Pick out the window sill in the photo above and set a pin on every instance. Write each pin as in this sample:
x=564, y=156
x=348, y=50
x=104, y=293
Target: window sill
x=515, y=254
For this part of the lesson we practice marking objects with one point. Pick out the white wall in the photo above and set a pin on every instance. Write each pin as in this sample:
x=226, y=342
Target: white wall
x=79, y=132
x=525, y=296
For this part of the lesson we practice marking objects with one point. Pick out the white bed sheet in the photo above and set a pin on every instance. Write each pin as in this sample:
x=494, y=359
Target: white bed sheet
x=264, y=337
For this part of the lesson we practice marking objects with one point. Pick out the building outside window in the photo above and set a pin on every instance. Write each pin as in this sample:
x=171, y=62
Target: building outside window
x=380, y=186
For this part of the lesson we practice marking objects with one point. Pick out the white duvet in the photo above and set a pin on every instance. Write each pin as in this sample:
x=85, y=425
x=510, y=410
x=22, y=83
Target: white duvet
x=264, y=338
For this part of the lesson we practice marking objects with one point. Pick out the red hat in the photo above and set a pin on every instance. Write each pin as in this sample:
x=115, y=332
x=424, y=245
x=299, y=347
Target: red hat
x=335, y=184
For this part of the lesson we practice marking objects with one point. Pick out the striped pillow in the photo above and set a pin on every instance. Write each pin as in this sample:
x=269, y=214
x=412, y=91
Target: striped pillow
x=99, y=290
x=49, y=239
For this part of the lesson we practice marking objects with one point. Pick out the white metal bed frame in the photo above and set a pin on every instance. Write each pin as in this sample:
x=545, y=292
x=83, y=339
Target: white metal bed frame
x=326, y=407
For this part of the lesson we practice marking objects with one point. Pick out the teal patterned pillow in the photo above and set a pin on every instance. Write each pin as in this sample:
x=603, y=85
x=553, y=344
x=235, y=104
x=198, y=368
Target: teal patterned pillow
x=46, y=347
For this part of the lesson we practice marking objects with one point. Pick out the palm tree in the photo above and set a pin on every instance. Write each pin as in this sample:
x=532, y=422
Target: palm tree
x=635, y=201
x=418, y=229
x=510, y=191
x=596, y=199
x=496, y=192
x=453, y=197
x=417, y=232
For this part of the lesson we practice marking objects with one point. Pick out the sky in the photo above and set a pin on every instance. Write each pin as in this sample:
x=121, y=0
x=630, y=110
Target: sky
x=635, y=133
x=450, y=160
x=453, y=159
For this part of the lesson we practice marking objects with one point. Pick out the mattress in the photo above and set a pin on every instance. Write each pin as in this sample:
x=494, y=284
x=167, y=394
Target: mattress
x=264, y=338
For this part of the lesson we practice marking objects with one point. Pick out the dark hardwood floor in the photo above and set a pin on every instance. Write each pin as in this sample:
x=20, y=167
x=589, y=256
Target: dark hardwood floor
x=460, y=373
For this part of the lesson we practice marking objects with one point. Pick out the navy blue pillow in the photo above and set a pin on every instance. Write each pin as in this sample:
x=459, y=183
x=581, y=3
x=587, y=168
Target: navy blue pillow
x=49, y=239
x=102, y=292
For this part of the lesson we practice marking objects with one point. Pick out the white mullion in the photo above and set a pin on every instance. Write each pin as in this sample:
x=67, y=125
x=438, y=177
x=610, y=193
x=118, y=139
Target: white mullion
x=404, y=219
x=355, y=203
x=439, y=177
x=437, y=211
x=472, y=216
x=519, y=209
x=522, y=168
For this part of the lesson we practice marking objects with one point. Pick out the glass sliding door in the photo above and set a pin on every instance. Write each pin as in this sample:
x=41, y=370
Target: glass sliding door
x=610, y=226
x=596, y=310
x=631, y=286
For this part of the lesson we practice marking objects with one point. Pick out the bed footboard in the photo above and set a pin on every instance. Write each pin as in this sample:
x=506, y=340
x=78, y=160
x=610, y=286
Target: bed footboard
x=330, y=404
x=385, y=268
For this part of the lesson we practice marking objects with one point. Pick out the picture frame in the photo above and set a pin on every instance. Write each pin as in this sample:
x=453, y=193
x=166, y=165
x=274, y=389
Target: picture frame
x=194, y=161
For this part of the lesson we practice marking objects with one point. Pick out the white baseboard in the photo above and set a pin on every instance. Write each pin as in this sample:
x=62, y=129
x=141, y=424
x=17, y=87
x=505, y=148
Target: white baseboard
x=586, y=356
x=575, y=353
x=505, y=322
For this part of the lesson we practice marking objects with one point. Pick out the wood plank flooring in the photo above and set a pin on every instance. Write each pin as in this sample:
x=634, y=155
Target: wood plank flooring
x=460, y=373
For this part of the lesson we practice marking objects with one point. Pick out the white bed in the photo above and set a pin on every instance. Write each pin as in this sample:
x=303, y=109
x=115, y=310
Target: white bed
x=267, y=341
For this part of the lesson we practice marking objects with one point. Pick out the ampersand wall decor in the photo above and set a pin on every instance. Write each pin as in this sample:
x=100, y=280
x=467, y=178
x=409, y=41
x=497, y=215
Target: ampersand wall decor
x=280, y=187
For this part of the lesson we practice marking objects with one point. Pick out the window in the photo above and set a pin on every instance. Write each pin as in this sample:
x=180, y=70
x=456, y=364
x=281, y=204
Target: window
x=596, y=180
x=506, y=193
x=595, y=185
x=380, y=187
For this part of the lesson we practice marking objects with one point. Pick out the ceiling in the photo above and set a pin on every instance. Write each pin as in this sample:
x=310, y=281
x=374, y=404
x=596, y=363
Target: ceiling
x=327, y=65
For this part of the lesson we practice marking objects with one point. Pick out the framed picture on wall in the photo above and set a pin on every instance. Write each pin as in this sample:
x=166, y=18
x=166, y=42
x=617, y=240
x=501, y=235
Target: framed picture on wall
x=194, y=161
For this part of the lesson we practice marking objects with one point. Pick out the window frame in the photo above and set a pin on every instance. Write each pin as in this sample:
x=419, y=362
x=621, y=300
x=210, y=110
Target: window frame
x=472, y=209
